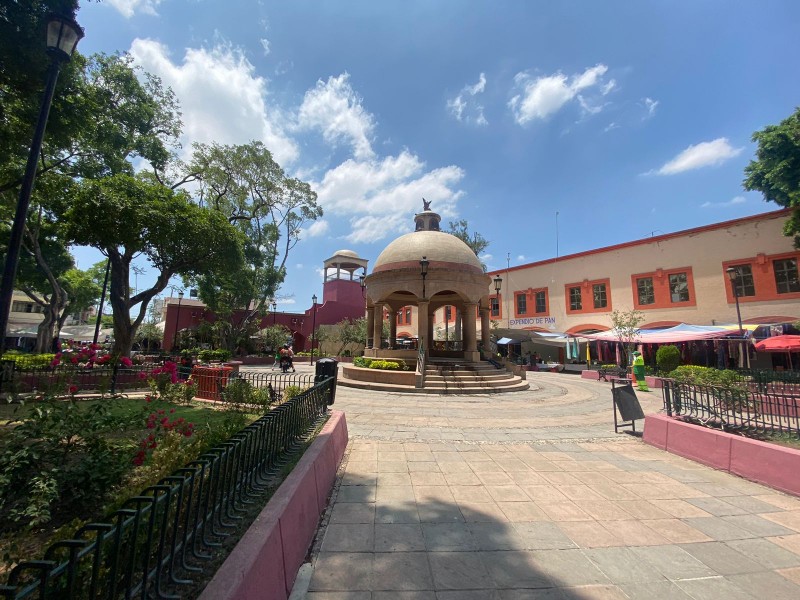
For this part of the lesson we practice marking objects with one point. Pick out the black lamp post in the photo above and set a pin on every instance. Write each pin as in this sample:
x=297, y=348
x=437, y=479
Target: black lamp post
x=177, y=318
x=498, y=283
x=423, y=265
x=63, y=35
x=274, y=312
x=313, y=326
x=733, y=275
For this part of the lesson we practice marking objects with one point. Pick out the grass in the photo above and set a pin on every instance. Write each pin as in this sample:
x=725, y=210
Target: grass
x=783, y=439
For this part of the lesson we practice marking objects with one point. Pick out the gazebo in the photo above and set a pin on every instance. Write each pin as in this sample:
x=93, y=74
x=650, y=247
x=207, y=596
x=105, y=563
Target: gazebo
x=427, y=269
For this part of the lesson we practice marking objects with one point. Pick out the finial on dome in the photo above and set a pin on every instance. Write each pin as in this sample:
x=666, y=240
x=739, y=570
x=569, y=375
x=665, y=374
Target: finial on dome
x=427, y=220
x=426, y=205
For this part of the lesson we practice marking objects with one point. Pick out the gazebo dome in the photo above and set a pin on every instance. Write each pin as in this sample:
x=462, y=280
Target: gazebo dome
x=442, y=250
x=346, y=253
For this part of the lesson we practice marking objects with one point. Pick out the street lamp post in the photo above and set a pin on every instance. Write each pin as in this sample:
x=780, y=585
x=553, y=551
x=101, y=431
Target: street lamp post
x=177, y=318
x=363, y=281
x=274, y=312
x=63, y=35
x=313, y=326
x=423, y=265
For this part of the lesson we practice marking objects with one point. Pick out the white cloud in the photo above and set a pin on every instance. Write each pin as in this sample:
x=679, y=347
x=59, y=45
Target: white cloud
x=700, y=155
x=732, y=202
x=334, y=108
x=127, y=8
x=464, y=108
x=651, y=106
x=379, y=194
x=316, y=229
x=543, y=96
x=485, y=258
x=265, y=46
x=520, y=257
x=221, y=97
x=611, y=126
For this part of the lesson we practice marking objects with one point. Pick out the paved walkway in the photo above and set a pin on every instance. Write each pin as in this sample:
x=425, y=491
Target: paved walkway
x=532, y=495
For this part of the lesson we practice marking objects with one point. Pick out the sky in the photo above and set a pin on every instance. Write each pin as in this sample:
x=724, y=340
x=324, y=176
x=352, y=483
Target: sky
x=550, y=127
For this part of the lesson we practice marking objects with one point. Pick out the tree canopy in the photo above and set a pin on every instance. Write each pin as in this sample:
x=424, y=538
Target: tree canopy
x=475, y=241
x=776, y=170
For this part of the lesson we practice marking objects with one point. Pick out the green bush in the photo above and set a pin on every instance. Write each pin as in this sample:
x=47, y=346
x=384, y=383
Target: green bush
x=388, y=365
x=28, y=361
x=668, y=358
x=207, y=356
x=362, y=361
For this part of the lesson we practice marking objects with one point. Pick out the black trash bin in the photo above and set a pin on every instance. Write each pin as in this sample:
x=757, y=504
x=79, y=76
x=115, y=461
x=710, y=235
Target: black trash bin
x=327, y=367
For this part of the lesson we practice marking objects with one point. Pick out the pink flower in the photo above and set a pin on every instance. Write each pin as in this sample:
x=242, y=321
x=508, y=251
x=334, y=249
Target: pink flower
x=55, y=362
x=141, y=375
x=126, y=361
x=171, y=410
x=74, y=360
x=73, y=389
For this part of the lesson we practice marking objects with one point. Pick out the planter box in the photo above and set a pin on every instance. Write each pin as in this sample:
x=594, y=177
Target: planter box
x=265, y=562
x=654, y=382
x=589, y=374
x=762, y=462
x=378, y=375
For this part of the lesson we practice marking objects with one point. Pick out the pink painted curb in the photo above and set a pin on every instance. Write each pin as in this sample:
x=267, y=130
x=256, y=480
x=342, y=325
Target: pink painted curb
x=265, y=562
x=769, y=464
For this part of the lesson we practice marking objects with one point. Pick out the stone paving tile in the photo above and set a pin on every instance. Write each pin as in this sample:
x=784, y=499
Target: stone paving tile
x=718, y=529
x=350, y=537
x=789, y=519
x=515, y=569
x=722, y=559
x=448, y=537
x=789, y=542
x=676, y=531
x=342, y=571
x=459, y=570
x=679, y=509
x=758, y=526
x=496, y=536
x=520, y=512
x=399, y=537
x=673, y=562
x=590, y=534
x=768, y=583
x=654, y=590
x=338, y=596
x=481, y=512
x=353, y=513
x=791, y=574
x=766, y=553
x=621, y=565
x=713, y=588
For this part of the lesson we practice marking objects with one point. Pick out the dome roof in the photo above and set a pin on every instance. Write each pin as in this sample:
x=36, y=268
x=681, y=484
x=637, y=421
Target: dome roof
x=349, y=253
x=443, y=250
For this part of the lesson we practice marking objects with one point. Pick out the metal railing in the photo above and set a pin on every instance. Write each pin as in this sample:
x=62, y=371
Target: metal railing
x=157, y=543
x=743, y=409
x=59, y=379
x=421, y=365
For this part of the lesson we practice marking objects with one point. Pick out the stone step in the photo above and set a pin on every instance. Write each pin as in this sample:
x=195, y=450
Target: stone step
x=451, y=390
x=468, y=377
x=476, y=384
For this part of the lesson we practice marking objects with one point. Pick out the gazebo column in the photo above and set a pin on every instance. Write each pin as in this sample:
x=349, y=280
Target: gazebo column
x=470, y=337
x=392, y=328
x=370, y=326
x=424, y=326
x=485, y=327
x=378, y=326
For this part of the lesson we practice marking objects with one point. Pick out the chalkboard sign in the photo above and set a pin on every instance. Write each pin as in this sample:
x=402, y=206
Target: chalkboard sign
x=627, y=403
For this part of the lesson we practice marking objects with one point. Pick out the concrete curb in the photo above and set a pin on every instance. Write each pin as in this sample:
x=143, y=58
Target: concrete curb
x=265, y=562
x=762, y=462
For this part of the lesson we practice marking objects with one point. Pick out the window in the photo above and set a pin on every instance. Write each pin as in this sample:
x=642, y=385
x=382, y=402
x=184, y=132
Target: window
x=494, y=307
x=599, y=295
x=644, y=288
x=522, y=304
x=678, y=287
x=575, y=298
x=786, y=280
x=745, y=286
x=408, y=315
x=541, y=302
x=25, y=307
x=404, y=316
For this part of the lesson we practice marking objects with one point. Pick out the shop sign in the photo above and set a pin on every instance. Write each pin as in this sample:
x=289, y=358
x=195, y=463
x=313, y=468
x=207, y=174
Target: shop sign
x=532, y=321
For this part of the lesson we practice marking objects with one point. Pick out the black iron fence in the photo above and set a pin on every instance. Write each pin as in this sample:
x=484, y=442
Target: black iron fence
x=60, y=379
x=745, y=408
x=158, y=543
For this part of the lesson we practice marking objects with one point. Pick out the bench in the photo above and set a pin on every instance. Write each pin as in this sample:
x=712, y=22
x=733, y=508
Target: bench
x=612, y=373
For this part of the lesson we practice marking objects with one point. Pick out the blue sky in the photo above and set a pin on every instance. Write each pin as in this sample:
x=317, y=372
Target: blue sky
x=626, y=118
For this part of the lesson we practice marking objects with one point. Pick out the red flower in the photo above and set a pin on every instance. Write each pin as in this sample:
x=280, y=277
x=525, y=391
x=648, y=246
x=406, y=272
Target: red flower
x=55, y=362
x=126, y=361
x=171, y=410
x=73, y=389
x=74, y=360
x=141, y=375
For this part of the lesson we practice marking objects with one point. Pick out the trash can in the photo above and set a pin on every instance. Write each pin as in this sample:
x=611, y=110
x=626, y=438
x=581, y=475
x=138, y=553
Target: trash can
x=210, y=381
x=326, y=368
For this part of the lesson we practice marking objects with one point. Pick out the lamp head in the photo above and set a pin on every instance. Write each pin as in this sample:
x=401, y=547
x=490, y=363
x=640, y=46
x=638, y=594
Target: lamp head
x=180, y=295
x=63, y=35
x=498, y=283
x=314, y=299
x=733, y=274
x=423, y=265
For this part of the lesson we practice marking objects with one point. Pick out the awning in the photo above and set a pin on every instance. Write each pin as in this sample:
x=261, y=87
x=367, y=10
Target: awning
x=506, y=340
x=671, y=335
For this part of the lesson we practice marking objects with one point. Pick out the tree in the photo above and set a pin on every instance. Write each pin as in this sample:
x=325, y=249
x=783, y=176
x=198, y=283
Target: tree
x=247, y=186
x=125, y=216
x=626, y=327
x=776, y=170
x=274, y=336
x=476, y=241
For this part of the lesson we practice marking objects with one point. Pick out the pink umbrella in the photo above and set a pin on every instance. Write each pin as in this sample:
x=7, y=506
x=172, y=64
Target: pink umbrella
x=780, y=343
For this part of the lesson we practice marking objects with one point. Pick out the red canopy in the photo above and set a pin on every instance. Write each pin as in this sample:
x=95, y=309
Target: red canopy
x=779, y=343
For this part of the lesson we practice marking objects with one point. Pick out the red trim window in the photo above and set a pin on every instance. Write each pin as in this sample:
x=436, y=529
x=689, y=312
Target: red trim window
x=404, y=316
x=520, y=304
x=764, y=278
x=588, y=297
x=663, y=289
x=496, y=306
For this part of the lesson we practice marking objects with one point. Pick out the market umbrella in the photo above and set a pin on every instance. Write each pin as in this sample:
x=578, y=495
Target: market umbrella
x=780, y=343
